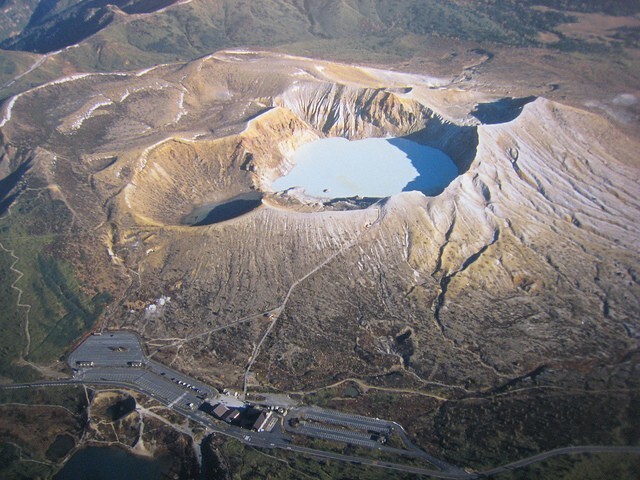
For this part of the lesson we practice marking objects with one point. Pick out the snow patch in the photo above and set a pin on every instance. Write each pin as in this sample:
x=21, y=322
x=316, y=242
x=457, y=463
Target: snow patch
x=89, y=112
x=147, y=70
x=7, y=111
x=403, y=79
x=181, y=110
x=625, y=100
x=130, y=91
x=145, y=153
x=70, y=78
x=124, y=96
x=177, y=4
x=127, y=190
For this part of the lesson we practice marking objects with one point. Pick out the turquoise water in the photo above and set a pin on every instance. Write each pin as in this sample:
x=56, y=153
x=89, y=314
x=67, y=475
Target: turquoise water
x=374, y=167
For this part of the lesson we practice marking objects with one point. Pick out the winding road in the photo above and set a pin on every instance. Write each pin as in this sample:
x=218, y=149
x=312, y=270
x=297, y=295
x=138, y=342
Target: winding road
x=266, y=440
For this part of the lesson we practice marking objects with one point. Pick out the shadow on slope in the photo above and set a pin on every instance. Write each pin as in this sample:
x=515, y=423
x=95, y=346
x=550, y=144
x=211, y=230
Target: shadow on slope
x=7, y=185
x=436, y=170
x=501, y=111
x=458, y=142
x=223, y=211
x=50, y=29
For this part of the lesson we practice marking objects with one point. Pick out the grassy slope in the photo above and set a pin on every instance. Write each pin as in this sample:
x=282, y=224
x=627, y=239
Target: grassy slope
x=19, y=443
x=14, y=16
x=60, y=311
x=250, y=463
x=202, y=26
x=377, y=31
x=609, y=7
x=580, y=467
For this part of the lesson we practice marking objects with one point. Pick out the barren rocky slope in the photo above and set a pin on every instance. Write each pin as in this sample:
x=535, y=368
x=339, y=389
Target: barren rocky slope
x=520, y=279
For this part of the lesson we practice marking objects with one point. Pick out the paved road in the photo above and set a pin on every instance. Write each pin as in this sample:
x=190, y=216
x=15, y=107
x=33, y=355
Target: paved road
x=365, y=424
x=267, y=440
x=113, y=352
x=159, y=387
x=558, y=452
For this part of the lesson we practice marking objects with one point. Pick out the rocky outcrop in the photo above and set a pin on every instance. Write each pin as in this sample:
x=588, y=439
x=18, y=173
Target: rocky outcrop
x=345, y=111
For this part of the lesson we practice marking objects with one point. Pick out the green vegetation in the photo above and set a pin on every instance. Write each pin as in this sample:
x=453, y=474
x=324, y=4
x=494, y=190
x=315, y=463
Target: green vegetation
x=70, y=397
x=58, y=286
x=15, y=465
x=321, y=398
x=487, y=21
x=17, y=18
x=567, y=44
x=491, y=432
x=8, y=67
x=580, y=467
x=484, y=433
x=630, y=37
x=371, y=31
x=12, y=338
x=610, y=7
x=351, y=391
x=28, y=432
x=59, y=310
x=249, y=463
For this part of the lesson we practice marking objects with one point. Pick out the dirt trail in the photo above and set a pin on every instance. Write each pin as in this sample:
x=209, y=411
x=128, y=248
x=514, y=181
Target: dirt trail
x=278, y=311
x=27, y=347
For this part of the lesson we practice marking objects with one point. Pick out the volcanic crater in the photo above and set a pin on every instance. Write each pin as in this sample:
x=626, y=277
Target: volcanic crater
x=540, y=219
x=179, y=178
x=524, y=269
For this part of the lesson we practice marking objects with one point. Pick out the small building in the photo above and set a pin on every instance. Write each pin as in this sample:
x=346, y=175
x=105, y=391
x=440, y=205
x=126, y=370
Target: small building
x=221, y=411
x=261, y=421
x=232, y=415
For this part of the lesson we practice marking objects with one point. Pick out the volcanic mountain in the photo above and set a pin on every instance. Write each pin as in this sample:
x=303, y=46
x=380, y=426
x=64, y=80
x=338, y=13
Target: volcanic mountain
x=520, y=279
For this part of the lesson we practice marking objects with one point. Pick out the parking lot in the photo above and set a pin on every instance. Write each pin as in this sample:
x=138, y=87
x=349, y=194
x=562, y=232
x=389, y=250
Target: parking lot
x=351, y=421
x=343, y=437
x=185, y=382
x=151, y=383
x=110, y=349
x=336, y=434
x=118, y=357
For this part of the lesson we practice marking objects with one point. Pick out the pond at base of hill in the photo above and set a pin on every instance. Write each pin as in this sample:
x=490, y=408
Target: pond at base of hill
x=374, y=168
x=110, y=463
